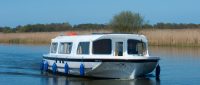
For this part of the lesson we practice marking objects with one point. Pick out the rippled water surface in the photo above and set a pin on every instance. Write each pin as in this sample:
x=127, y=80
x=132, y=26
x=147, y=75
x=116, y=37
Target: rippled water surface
x=19, y=64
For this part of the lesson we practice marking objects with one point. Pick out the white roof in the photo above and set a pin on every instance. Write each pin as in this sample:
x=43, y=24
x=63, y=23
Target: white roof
x=94, y=37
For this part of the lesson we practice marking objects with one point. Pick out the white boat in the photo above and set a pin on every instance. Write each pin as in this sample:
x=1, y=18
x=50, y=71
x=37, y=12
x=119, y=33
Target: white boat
x=123, y=56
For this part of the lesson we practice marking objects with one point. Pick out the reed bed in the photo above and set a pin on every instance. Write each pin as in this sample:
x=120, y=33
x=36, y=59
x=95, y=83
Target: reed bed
x=39, y=37
x=173, y=37
x=158, y=37
x=33, y=38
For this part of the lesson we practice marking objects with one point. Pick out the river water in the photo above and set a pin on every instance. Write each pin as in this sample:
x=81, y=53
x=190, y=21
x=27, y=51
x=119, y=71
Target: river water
x=19, y=65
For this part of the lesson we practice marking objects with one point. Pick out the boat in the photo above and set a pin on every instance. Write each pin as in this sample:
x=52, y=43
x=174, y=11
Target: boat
x=103, y=55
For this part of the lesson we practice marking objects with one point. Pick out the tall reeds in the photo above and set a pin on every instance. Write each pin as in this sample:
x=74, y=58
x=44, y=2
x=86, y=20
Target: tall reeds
x=38, y=37
x=173, y=37
x=162, y=37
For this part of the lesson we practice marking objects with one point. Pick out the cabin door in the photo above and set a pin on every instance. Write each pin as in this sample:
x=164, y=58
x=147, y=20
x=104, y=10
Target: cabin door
x=118, y=48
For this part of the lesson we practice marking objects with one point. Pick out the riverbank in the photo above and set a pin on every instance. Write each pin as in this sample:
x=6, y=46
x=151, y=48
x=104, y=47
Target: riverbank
x=156, y=37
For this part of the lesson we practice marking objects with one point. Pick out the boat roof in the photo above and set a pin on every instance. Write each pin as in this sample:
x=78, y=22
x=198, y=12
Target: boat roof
x=94, y=37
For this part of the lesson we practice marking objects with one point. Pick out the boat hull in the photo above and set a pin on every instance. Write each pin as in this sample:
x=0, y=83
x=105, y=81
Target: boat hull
x=122, y=69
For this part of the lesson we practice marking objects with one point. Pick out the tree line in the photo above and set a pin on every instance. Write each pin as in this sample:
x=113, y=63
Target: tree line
x=125, y=21
x=162, y=25
x=66, y=27
x=53, y=27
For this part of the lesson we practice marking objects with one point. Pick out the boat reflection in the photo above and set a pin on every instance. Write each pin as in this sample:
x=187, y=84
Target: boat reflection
x=58, y=80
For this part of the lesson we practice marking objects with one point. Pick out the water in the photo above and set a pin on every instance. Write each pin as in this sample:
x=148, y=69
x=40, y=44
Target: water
x=19, y=64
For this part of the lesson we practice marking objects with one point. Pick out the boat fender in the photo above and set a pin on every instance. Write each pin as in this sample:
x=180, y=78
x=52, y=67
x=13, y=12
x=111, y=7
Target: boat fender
x=42, y=66
x=82, y=72
x=66, y=68
x=46, y=65
x=158, y=71
x=54, y=68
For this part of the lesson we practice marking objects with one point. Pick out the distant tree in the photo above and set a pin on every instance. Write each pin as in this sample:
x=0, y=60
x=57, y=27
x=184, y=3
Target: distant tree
x=89, y=26
x=147, y=26
x=127, y=21
x=44, y=27
x=6, y=29
x=162, y=25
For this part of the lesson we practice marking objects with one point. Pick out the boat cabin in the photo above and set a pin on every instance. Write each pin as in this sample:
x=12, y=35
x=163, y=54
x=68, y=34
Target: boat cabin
x=100, y=44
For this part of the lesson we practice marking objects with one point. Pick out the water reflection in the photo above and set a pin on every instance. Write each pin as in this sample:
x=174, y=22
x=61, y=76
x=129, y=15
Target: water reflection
x=58, y=80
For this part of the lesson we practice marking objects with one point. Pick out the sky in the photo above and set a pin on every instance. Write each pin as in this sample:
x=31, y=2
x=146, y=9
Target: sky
x=22, y=12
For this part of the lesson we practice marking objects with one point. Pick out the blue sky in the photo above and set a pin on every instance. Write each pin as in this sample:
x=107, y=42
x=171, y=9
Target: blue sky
x=22, y=12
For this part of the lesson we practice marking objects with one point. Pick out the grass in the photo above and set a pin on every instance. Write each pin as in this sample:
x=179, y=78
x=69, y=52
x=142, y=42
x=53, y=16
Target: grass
x=158, y=37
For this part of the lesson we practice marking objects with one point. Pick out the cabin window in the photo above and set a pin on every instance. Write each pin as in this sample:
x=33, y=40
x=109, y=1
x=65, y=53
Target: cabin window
x=54, y=47
x=136, y=47
x=83, y=48
x=118, y=48
x=102, y=46
x=65, y=47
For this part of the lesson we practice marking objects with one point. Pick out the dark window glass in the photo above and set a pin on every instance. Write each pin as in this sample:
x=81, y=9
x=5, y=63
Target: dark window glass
x=135, y=47
x=102, y=46
x=83, y=48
